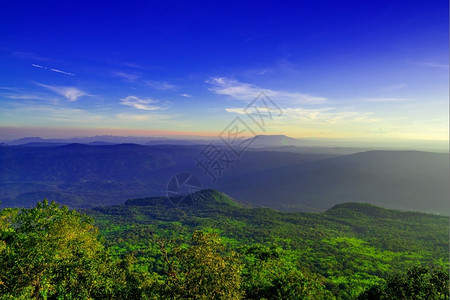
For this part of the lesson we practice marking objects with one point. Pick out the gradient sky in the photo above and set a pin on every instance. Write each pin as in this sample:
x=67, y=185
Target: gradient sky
x=336, y=69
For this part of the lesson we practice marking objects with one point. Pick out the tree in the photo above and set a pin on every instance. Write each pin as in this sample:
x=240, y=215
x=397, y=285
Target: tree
x=418, y=283
x=203, y=270
x=51, y=252
x=270, y=274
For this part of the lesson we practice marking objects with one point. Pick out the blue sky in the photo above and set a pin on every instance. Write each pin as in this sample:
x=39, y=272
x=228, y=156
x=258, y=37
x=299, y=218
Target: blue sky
x=336, y=69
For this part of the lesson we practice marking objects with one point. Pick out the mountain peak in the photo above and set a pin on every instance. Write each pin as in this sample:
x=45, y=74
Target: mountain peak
x=355, y=209
x=203, y=199
x=273, y=141
x=273, y=135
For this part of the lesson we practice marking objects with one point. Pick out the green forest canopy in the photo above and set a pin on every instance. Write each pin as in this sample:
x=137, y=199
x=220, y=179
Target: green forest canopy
x=220, y=249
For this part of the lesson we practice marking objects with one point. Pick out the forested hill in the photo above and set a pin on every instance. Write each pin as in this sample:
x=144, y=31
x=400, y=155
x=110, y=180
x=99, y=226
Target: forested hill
x=204, y=199
x=352, y=245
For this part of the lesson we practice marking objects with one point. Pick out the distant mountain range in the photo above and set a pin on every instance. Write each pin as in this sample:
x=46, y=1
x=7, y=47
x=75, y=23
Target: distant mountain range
x=406, y=180
x=257, y=142
x=92, y=175
x=103, y=140
x=86, y=175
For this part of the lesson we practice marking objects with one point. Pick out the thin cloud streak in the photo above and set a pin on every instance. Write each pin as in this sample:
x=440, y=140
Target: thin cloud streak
x=31, y=97
x=29, y=55
x=52, y=69
x=319, y=115
x=140, y=118
x=247, y=92
x=141, y=103
x=434, y=65
x=38, y=66
x=127, y=76
x=62, y=72
x=58, y=114
x=384, y=100
x=393, y=87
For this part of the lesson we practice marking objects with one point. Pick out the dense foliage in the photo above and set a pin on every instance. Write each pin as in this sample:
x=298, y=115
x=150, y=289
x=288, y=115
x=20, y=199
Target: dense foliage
x=418, y=283
x=346, y=249
x=50, y=251
x=221, y=249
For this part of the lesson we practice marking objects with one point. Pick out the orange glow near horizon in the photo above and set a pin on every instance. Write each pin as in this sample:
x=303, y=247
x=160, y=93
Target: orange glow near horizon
x=150, y=132
x=8, y=133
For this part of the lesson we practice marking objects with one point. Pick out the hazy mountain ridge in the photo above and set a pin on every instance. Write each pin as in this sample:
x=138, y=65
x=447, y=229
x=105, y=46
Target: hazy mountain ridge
x=407, y=180
x=274, y=142
x=104, y=140
x=109, y=174
x=82, y=175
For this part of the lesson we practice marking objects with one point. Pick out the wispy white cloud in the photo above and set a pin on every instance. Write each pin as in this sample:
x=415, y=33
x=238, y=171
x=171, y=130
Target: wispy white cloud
x=27, y=97
x=261, y=71
x=186, y=95
x=331, y=115
x=131, y=65
x=261, y=109
x=434, y=65
x=160, y=85
x=247, y=92
x=141, y=103
x=71, y=93
x=320, y=115
x=127, y=76
x=142, y=117
x=22, y=94
x=67, y=115
x=9, y=88
x=377, y=131
x=29, y=55
x=52, y=113
x=236, y=110
x=381, y=99
x=393, y=87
